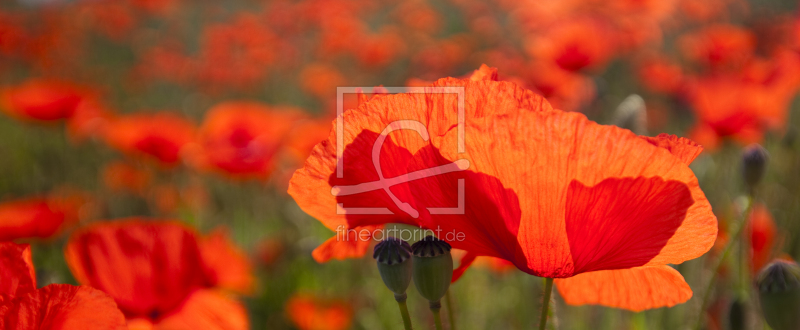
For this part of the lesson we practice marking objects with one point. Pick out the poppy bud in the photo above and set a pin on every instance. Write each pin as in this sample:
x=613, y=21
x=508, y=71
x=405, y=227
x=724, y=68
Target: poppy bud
x=632, y=114
x=779, y=294
x=737, y=316
x=392, y=255
x=754, y=164
x=433, y=268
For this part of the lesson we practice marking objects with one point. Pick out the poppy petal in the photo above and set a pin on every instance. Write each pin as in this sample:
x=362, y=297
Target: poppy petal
x=207, y=310
x=352, y=244
x=686, y=150
x=634, y=289
x=635, y=216
x=465, y=262
x=16, y=270
x=62, y=306
x=227, y=265
x=147, y=266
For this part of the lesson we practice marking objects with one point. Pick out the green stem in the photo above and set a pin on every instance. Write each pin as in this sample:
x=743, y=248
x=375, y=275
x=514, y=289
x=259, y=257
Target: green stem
x=436, y=307
x=450, y=317
x=725, y=251
x=401, y=301
x=548, y=288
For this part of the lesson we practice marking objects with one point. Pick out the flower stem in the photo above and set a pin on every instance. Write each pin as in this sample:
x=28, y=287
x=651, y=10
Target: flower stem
x=436, y=307
x=548, y=288
x=401, y=301
x=450, y=317
x=737, y=233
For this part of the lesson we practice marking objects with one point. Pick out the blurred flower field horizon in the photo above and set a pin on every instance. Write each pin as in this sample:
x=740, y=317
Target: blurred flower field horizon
x=175, y=160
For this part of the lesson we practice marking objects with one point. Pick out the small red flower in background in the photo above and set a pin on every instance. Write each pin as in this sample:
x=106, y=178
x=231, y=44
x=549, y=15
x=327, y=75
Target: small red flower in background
x=719, y=46
x=40, y=217
x=763, y=232
x=162, y=274
x=311, y=313
x=41, y=100
x=120, y=176
x=576, y=44
x=56, y=306
x=242, y=138
x=158, y=136
x=660, y=75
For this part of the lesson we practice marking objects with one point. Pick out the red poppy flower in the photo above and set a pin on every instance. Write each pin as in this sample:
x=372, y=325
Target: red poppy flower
x=660, y=75
x=123, y=177
x=763, y=232
x=160, y=136
x=539, y=185
x=39, y=99
x=242, y=138
x=160, y=274
x=310, y=313
x=39, y=217
x=575, y=44
x=56, y=306
x=731, y=106
x=719, y=46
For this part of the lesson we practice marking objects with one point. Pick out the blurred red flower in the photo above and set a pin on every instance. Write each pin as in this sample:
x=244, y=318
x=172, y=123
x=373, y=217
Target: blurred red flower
x=579, y=43
x=120, y=176
x=547, y=197
x=39, y=217
x=242, y=138
x=763, y=232
x=41, y=100
x=311, y=313
x=719, y=46
x=56, y=306
x=162, y=274
x=157, y=136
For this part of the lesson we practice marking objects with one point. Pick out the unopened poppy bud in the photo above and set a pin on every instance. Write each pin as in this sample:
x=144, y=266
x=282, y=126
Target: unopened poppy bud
x=393, y=256
x=754, y=164
x=779, y=294
x=433, y=268
x=737, y=316
x=632, y=114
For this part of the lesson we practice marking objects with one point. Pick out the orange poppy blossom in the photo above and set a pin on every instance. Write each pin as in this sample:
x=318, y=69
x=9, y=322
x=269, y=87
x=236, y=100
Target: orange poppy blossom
x=581, y=43
x=745, y=105
x=311, y=313
x=162, y=274
x=56, y=306
x=41, y=100
x=719, y=46
x=539, y=185
x=39, y=217
x=156, y=136
x=242, y=138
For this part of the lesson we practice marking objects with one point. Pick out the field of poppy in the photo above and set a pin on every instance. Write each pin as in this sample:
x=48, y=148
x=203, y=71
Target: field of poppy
x=298, y=164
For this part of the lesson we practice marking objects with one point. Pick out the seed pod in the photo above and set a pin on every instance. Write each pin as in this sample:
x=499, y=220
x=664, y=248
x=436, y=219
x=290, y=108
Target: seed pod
x=433, y=268
x=737, y=316
x=754, y=164
x=393, y=256
x=779, y=294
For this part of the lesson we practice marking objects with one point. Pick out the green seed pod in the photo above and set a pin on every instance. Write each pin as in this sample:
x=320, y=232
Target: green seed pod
x=433, y=268
x=754, y=164
x=779, y=294
x=737, y=316
x=392, y=255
